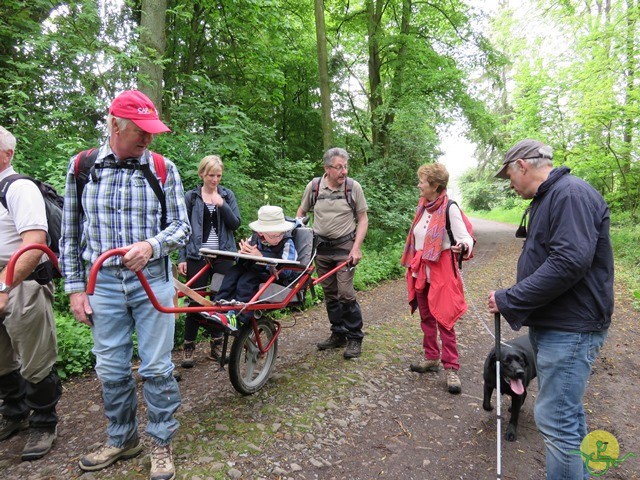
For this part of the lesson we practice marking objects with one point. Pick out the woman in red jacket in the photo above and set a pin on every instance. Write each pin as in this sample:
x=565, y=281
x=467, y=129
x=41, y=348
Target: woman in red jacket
x=433, y=280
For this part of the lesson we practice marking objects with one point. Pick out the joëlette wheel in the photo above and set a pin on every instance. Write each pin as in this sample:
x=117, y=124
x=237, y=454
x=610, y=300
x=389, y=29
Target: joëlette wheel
x=249, y=369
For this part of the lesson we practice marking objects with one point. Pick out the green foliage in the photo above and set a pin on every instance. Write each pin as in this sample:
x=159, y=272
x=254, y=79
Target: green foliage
x=625, y=237
x=512, y=216
x=74, y=346
x=378, y=266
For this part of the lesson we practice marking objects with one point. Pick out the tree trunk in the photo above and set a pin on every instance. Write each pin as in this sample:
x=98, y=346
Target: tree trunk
x=323, y=69
x=152, y=43
x=374, y=8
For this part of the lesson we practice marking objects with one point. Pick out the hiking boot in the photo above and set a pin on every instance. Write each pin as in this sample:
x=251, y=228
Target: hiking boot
x=8, y=426
x=39, y=443
x=425, y=366
x=162, y=467
x=453, y=381
x=216, y=350
x=107, y=454
x=334, y=341
x=353, y=350
x=188, y=354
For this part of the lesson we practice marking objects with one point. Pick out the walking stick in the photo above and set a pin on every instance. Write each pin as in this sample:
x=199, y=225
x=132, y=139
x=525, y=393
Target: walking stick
x=499, y=418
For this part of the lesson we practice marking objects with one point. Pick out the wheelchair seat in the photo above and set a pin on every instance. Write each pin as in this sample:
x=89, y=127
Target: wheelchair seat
x=303, y=239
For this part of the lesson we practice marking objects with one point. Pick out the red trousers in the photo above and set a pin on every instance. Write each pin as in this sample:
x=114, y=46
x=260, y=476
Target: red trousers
x=430, y=328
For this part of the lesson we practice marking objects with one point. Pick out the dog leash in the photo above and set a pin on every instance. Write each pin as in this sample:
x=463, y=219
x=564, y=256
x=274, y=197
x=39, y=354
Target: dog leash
x=476, y=312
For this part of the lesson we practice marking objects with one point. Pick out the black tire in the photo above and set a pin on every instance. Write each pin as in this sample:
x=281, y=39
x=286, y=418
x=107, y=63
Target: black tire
x=249, y=370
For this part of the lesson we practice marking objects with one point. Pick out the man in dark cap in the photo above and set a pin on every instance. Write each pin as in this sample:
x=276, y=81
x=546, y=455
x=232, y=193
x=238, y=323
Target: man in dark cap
x=119, y=208
x=564, y=294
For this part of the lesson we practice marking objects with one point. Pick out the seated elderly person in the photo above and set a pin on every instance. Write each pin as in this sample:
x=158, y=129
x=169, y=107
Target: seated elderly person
x=271, y=238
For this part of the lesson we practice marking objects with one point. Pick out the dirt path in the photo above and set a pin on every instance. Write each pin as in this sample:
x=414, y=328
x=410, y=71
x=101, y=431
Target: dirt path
x=321, y=417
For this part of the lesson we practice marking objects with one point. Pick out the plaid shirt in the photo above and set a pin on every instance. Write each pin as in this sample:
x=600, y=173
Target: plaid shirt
x=120, y=209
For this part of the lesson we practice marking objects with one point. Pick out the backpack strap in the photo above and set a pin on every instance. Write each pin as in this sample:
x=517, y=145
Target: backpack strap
x=83, y=169
x=315, y=190
x=348, y=193
x=452, y=240
x=155, y=185
x=161, y=166
x=4, y=186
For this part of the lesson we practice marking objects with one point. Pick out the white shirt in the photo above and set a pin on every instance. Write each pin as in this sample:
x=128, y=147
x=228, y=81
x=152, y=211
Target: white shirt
x=28, y=212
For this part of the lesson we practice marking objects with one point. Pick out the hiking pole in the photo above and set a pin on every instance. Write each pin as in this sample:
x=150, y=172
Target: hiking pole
x=498, y=414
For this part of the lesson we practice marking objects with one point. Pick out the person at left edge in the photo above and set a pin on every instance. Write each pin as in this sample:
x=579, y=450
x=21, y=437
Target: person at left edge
x=121, y=210
x=29, y=384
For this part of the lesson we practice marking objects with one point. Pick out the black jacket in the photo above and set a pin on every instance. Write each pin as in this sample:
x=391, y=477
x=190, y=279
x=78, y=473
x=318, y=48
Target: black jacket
x=565, y=271
x=228, y=221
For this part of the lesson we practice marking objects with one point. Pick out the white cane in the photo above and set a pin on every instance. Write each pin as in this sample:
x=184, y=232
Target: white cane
x=498, y=380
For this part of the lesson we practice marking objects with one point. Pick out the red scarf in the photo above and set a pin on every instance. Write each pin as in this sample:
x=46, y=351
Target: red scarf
x=435, y=233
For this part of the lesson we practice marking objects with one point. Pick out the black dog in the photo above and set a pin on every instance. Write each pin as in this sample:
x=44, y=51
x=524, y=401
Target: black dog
x=517, y=369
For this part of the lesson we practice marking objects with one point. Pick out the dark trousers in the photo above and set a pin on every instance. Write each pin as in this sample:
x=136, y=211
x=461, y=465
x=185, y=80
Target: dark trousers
x=241, y=283
x=191, y=323
x=343, y=309
x=20, y=397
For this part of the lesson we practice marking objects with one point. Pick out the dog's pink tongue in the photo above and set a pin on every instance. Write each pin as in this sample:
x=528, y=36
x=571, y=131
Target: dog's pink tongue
x=516, y=386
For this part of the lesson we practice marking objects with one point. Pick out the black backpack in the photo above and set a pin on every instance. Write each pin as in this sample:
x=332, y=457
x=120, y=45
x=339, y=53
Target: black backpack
x=348, y=193
x=53, y=205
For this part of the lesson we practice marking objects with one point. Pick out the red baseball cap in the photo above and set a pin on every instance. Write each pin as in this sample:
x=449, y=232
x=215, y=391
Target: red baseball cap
x=137, y=107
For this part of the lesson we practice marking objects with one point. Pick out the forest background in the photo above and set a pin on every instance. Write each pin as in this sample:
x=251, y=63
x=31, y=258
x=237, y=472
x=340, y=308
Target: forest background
x=270, y=84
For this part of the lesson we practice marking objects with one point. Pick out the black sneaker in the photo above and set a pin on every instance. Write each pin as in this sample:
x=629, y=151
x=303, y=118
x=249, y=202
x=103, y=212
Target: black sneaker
x=353, y=350
x=334, y=341
x=39, y=443
x=8, y=426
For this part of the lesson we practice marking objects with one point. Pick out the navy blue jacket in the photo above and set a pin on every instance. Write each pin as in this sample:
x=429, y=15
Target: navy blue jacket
x=228, y=221
x=565, y=271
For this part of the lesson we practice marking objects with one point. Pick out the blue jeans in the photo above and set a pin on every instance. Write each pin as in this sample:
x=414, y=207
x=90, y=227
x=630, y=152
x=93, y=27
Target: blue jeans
x=121, y=305
x=563, y=361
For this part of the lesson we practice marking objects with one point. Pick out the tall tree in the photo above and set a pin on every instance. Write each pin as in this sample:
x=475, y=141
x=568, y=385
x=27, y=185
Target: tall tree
x=152, y=44
x=323, y=69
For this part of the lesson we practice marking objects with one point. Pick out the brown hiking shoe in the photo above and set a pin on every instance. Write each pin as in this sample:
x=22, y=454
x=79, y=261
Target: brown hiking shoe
x=353, y=350
x=334, y=341
x=453, y=381
x=8, y=426
x=216, y=350
x=188, y=355
x=162, y=467
x=425, y=366
x=39, y=443
x=108, y=454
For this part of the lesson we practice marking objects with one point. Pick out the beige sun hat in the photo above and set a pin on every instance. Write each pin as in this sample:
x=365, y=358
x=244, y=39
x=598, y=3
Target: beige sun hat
x=271, y=219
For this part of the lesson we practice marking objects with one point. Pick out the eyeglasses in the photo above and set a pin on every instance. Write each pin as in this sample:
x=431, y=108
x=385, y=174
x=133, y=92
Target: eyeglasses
x=273, y=234
x=339, y=167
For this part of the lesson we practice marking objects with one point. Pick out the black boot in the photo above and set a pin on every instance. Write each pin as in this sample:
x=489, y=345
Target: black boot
x=334, y=341
x=13, y=389
x=353, y=350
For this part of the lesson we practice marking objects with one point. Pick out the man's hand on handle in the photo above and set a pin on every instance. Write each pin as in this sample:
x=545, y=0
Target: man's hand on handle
x=491, y=302
x=137, y=256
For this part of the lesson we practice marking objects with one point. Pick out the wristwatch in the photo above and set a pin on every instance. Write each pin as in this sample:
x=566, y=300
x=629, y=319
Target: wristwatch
x=4, y=288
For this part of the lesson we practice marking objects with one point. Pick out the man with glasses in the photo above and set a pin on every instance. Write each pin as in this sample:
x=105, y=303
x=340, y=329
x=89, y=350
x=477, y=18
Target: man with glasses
x=341, y=228
x=564, y=294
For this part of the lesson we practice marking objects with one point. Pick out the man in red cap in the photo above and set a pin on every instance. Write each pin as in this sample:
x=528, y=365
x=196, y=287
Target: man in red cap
x=118, y=208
